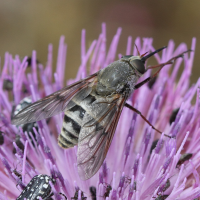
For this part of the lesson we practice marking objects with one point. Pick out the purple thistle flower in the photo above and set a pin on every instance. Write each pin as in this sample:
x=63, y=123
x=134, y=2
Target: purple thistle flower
x=131, y=168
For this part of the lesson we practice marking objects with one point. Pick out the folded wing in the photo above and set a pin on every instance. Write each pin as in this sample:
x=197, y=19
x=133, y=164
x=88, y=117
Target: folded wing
x=95, y=137
x=52, y=104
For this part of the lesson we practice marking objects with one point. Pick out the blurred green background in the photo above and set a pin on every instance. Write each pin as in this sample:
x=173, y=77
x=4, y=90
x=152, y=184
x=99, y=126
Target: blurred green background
x=32, y=25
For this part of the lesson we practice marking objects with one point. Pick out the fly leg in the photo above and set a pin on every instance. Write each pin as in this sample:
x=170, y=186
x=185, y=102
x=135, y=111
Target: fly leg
x=160, y=66
x=143, y=117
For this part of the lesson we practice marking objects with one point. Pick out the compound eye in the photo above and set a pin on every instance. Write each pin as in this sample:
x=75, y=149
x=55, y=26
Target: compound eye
x=139, y=65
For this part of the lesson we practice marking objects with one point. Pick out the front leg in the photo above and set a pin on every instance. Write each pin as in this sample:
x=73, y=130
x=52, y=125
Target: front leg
x=160, y=66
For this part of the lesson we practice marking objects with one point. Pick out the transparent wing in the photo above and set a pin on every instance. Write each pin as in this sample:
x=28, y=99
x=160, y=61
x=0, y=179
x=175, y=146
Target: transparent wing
x=95, y=137
x=52, y=104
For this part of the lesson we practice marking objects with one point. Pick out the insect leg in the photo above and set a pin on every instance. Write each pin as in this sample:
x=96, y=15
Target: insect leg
x=143, y=117
x=63, y=195
x=171, y=61
x=154, y=75
x=49, y=196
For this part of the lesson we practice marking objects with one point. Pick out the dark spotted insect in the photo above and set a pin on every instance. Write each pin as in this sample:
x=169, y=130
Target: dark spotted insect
x=18, y=143
x=161, y=197
x=167, y=185
x=1, y=138
x=153, y=146
x=92, y=108
x=2, y=135
x=128, y=180
x=108, y=189
x=17, y=173
x=7, y=84
x=29, y=61
x=173, y=116
x=93, y=192
x=38, y=187
x=135, y=185
x=76, y=195
x=164, y=187
x=184, y=157
x=28, y=127
x=19, y=179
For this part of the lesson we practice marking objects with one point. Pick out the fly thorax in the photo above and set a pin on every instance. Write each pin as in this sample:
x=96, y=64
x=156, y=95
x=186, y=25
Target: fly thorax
x=118, y=77
x=131, y=82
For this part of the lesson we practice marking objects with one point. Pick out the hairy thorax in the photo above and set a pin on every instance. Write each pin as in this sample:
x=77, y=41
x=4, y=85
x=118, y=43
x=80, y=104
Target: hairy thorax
x=118, y=77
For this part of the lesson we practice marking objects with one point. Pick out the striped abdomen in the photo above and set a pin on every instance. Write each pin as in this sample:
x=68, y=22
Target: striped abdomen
x=73, y=121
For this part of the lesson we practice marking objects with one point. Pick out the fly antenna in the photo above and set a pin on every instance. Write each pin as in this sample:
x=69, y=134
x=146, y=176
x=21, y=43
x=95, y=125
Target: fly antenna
x=151, y=54
x=137, y=50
